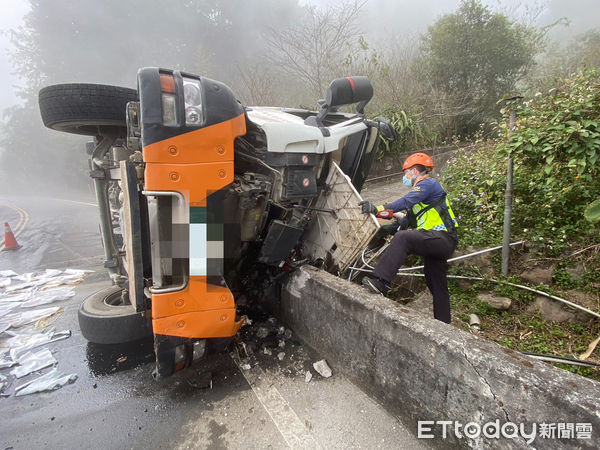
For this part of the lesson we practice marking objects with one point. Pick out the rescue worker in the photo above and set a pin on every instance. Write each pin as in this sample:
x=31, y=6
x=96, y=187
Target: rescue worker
x=435, y=237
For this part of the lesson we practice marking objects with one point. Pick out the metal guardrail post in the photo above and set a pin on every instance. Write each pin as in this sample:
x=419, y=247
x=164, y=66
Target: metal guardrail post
x=508, y=195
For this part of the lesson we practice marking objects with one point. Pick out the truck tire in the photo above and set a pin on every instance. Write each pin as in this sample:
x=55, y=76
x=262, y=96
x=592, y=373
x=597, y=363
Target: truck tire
x=88, y=109
x=103, y=320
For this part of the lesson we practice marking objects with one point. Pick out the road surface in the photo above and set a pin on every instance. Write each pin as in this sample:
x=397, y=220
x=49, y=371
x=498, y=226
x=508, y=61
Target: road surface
x=115, y=403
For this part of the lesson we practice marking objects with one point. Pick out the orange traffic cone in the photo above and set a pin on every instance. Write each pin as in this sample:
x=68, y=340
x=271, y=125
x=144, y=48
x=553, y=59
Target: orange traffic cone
x=10, y=243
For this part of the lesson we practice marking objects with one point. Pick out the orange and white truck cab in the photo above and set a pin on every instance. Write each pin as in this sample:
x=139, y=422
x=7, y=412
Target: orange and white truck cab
x=191, y=185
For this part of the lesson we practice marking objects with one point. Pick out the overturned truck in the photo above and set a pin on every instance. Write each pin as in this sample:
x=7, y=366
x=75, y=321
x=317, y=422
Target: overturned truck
x=193, y=188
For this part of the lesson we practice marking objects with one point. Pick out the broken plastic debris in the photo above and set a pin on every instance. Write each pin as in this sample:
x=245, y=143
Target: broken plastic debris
x=308, y=376
x=262, y=333
x=51, y=381
x=281, y=355
x=267, y=351
x=32, y=362
x=246, y=367
x=322, y=368
x=281, y=344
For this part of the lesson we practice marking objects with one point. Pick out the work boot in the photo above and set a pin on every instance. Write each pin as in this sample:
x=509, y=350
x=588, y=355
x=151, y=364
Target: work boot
x=375, y=285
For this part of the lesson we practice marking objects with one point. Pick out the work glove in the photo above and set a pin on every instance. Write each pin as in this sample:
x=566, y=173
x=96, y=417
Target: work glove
x=379, y=211
x=367, y=207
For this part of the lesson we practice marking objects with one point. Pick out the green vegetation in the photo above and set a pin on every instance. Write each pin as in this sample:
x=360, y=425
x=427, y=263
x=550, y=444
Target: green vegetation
x=476, y=56
x=411, y=133
x=555, y=147
x=521, y=330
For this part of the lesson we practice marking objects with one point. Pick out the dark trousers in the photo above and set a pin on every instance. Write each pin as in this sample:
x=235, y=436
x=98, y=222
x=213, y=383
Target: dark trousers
x=435, y=247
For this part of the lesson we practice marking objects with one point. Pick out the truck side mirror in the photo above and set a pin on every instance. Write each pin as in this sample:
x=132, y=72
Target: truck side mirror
x=349, y=90
x=343, y=91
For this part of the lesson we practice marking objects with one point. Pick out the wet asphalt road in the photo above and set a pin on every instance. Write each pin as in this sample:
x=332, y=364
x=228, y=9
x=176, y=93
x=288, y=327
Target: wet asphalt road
x=115, y=402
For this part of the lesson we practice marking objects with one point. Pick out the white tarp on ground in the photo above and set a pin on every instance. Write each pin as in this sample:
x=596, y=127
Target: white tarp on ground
x=31, y=290
x=20, y=343
x=51, y=381
x=33, y=361
x=20, y=318
x=23, y=325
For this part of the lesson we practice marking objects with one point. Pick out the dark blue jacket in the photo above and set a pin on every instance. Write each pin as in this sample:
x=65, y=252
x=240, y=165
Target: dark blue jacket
x=426, y=191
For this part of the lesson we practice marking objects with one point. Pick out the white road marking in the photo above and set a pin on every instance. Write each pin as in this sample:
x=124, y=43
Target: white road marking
x=291, y=427
x=24, y=217
x=75, y=201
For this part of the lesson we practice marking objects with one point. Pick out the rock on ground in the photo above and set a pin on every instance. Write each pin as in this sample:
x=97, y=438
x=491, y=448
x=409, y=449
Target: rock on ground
x=553, y=311
x=500, y=303
x=322, y=368
x=538, y=275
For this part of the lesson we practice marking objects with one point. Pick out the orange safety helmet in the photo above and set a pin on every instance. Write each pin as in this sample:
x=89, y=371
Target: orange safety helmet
x=418, y=158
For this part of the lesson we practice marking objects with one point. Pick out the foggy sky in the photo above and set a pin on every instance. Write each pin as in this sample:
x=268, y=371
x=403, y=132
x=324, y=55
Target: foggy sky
x=382, y=19
x=11, y=17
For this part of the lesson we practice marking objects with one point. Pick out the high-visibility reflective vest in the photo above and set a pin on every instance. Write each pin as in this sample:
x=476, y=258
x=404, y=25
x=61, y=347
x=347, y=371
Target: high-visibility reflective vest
x=436, y=216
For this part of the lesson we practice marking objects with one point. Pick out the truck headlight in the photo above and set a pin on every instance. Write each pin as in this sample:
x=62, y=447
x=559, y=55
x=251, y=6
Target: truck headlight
x=192, y=96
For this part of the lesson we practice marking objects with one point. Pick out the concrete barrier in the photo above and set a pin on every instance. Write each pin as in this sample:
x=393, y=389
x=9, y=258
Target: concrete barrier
x=425, y=370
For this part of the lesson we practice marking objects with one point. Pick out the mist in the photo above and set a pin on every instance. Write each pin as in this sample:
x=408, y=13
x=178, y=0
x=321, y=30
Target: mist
x=240, y=43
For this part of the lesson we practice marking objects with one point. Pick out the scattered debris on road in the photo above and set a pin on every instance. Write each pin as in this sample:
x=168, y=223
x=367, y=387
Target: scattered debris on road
x=308, y=376
x=269, y=344
x=49, y=382
x=322, y=368
x=201, y=380
x=33, y=361
x=25, y=326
